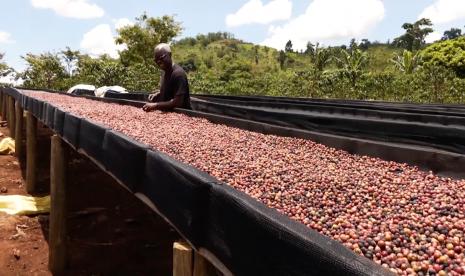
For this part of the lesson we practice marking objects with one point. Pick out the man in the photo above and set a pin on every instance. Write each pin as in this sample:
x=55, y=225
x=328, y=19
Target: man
x=174, y=87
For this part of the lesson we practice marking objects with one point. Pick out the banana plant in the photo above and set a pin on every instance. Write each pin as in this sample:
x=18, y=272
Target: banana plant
x=352, y=63
x=407, y=62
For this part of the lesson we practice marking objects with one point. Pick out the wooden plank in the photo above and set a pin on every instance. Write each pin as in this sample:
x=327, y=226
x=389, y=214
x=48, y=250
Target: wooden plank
x=19, y=130
x=12, y=117
x=4, y=117
x=1, y=106
x=7, y=111
x=58, y=202
x=31, y=152
x=202, y=267
x=182, y=259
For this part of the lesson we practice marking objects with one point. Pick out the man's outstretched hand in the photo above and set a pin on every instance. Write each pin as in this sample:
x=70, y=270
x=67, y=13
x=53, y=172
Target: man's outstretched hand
x=149, y=107
x=153, y=96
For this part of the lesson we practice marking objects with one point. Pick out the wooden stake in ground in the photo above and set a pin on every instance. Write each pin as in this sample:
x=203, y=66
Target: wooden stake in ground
x=182, y=259
x=58, y=212
x=12, y=117
x=7, y=110
x=4, y=107
x=31, y=152
x=1, y=106
x=19, y=130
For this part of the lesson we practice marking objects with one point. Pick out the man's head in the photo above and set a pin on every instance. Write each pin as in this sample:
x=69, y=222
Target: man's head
x=162, y=56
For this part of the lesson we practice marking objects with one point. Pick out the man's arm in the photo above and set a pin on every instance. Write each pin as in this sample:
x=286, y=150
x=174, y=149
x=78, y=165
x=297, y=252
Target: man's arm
x=173, y=103
x=181, y=91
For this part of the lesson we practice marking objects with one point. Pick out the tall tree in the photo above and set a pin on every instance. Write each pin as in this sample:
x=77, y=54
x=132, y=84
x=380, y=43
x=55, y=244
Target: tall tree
x=451, y=34
x=282, y=57
x=415, y=34
x=353, y=44
x=101, y=71
x=365, y=44
x=288, y=47
x=310, y=49
x=142, y=37
x=70, y=58
x=256, y=53
x=43, y=71
x=4, y=68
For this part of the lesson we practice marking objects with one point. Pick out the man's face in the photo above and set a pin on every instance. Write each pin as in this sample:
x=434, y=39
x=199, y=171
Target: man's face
x=162, y=59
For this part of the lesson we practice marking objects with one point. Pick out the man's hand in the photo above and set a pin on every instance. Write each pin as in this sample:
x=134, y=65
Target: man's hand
x=150, y=107
x=153, y=96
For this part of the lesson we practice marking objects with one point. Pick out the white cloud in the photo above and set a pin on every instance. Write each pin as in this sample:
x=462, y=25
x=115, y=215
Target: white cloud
x=444, y=11
x=80, y=9
x=432, y=37
x=255, y=12
x=326, y=21
x=123, y=22
x=99, y=41
x=5, y=37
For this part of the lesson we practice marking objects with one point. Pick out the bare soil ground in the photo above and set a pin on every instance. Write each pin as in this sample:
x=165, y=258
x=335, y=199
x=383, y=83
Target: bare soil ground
x=24, y=250
x=110, y=232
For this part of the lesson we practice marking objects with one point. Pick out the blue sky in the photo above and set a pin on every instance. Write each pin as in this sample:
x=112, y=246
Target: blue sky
x=37, y=26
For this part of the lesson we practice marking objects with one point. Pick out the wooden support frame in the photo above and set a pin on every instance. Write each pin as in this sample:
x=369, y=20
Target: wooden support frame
x=182, y=259
x=7, y=111
x=12, y=117
x=202, y=267
x=19, y=130
x=58, y=202
x=4, y=110
x=31, y=152
x=187, y=262
x=1, y=106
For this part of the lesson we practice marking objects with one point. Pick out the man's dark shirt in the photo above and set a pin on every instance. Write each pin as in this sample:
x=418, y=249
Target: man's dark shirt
x=175, y=83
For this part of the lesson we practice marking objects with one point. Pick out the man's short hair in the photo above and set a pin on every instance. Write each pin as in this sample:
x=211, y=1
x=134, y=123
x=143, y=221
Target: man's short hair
x=164, y=47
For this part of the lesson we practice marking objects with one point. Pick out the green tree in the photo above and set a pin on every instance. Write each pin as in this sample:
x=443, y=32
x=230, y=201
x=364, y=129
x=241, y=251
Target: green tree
x=288, y=47
x=449, y=54
x=70, y=58
x=407, y=62
x=453, y=33
x=142, y=37
x=415, y=34
x=4, y=68
x=43, y=71
x=101, y=71
x=365, y=44
x=351, y=64
x=310, y=48
x=256, y=53
x=282, y=57
x=353, y=44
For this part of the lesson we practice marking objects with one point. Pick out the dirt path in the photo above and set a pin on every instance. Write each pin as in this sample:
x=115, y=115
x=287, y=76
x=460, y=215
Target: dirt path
x=23, y=249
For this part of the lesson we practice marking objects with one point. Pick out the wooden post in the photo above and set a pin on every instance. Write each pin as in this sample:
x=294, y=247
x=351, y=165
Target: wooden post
x=1, y=105
x=202, y=267
x=19, y=130
x=31, y=152
x=12, y=117
x=4, y=107
x=7, y=111
x=182, y=259
x=58, y=201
